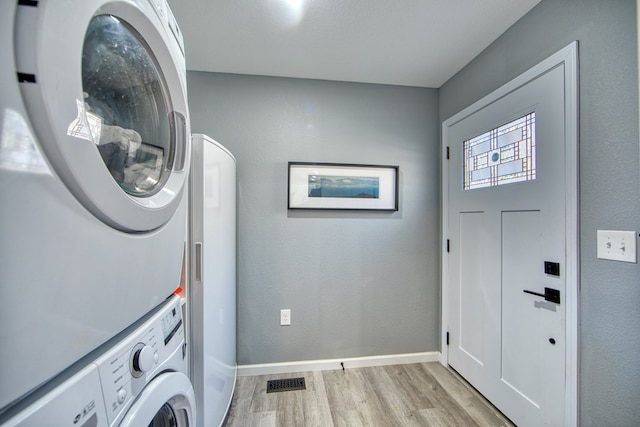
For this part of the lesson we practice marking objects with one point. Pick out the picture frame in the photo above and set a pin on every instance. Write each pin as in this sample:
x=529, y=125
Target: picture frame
x=342, y=186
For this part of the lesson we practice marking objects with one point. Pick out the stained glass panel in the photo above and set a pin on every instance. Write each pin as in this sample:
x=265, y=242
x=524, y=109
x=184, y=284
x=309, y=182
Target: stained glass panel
x=503, y=155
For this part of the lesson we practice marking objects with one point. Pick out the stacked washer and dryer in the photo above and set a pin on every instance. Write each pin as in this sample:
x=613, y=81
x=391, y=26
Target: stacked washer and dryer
x=94, y=158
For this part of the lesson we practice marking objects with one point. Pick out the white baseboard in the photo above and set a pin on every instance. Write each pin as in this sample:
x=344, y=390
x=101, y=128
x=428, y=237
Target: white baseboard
x=333, y=364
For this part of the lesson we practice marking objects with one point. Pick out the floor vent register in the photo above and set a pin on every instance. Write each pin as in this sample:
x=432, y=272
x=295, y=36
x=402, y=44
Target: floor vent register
x=286, y=384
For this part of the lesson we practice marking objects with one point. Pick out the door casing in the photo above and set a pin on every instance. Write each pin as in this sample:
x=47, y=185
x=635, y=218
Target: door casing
x=568, y=57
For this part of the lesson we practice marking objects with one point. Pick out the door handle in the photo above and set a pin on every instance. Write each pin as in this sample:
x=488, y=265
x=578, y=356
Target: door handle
x=198, y=262
x=551, y=295
x=178, y=125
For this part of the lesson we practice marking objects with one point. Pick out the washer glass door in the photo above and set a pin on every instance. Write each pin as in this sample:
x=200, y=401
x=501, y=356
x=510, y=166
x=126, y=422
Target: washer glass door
x=125, y=102
x=168, y=400
x=165, y=417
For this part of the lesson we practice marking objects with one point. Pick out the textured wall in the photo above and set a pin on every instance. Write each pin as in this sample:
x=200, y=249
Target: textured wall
x=358, y=284
x=609, y=177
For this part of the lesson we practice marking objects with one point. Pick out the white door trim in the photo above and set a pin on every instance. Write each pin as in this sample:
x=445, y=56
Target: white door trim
x=567, y=57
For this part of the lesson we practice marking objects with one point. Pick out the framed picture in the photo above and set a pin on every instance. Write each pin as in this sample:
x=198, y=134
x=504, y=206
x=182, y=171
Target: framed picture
x=343, y=186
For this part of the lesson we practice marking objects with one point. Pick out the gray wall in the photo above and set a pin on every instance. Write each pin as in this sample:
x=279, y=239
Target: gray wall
x=358, y=284
x=609, y=179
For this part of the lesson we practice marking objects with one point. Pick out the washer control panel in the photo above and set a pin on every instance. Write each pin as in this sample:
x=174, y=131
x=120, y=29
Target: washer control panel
x=129, y=366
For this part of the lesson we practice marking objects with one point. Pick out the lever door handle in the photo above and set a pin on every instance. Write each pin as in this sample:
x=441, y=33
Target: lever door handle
x=550, y=294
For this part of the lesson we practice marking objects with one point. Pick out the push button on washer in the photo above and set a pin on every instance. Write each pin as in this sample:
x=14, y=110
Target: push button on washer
x=122, y=395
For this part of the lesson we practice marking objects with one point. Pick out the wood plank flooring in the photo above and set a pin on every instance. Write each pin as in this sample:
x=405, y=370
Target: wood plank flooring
x=424, y=394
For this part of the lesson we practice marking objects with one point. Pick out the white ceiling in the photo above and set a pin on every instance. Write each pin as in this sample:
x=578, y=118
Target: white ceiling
x=400, y=42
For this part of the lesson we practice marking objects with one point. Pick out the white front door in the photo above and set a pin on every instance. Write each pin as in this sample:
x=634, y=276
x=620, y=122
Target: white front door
x=506, y=226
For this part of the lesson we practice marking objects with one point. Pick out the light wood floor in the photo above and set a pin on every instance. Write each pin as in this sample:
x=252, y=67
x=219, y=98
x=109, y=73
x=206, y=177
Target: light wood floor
x=424, y=394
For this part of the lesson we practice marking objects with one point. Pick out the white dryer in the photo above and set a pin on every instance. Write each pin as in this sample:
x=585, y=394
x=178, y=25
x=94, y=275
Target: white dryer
x=94, y=157
x=140, y=381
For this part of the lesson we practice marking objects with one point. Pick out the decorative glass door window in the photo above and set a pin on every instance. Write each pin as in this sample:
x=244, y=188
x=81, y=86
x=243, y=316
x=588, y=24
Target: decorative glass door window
x=503, y=155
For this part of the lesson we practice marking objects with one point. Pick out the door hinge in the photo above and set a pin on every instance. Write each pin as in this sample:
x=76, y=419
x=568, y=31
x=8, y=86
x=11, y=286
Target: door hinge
x=26, y=78
x=447, y=337
x=448, y=245
x=448, y=154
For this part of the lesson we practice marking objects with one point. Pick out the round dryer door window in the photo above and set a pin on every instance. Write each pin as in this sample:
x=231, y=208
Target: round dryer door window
x=106, y=96
x=125, y=103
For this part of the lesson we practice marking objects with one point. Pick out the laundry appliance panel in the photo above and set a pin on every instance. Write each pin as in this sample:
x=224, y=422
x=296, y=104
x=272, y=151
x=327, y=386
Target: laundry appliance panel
x=212, y=278
x=138, y=380
x=94, y=156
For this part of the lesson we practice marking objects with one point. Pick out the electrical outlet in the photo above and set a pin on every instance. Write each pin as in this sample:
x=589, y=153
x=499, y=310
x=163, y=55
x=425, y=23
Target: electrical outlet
x=285, y=317
x=617, y=245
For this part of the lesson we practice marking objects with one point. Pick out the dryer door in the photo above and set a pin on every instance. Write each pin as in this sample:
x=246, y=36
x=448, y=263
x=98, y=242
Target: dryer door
x=168, y=400
x=103, y=83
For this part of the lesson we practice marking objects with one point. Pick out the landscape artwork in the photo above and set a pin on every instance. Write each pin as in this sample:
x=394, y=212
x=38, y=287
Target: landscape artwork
x=354, y=187
x=342, y=186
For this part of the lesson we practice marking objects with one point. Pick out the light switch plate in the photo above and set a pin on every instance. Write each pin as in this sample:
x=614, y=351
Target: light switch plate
x=617, y=245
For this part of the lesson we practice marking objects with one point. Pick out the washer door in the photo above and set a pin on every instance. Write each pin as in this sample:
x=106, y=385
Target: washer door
x=168, y=400
x=102, y=84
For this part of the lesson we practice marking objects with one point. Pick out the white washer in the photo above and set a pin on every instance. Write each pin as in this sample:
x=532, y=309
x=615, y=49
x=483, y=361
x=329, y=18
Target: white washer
x=140, y=381
x=94, y=156
x=77, y=401
x=144, y=377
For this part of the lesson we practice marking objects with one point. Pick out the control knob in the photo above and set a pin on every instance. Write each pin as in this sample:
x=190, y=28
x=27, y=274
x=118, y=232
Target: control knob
x=144, y=359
